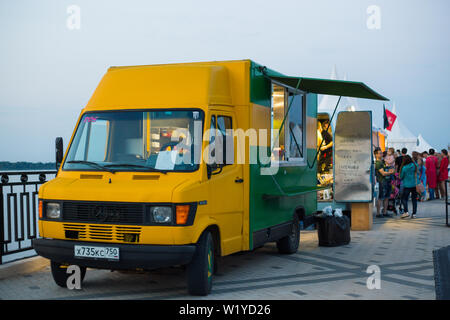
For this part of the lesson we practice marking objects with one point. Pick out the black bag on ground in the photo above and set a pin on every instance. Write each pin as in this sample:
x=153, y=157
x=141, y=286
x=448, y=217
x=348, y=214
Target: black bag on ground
x=333, y=231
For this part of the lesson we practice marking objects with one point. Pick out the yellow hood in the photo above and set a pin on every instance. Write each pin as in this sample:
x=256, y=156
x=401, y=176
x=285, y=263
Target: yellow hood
x=121, y=187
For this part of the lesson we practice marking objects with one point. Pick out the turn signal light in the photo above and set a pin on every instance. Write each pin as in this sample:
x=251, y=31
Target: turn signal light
x=40, y=209
x=182, y=213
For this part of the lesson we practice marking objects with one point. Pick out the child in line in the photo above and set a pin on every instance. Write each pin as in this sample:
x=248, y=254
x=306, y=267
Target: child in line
x=389, y=161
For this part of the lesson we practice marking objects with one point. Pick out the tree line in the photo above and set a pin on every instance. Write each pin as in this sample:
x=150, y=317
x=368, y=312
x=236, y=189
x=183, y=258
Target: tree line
x=24, y=165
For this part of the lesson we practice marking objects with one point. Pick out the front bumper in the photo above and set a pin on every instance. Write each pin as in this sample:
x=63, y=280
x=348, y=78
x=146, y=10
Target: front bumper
x=131, y=256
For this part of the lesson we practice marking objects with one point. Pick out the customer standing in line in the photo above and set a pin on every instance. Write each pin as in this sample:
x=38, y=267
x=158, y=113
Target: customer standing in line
x=422, y=176
x=437, y=191
x=384, y=186
x=399, y=159
x=416, y=159
x=398, y=164
x=431, y=165
x=443, y=171
x=408, y=175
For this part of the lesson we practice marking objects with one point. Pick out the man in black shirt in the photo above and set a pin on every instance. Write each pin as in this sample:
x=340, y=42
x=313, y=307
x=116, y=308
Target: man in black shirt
x=399, y=160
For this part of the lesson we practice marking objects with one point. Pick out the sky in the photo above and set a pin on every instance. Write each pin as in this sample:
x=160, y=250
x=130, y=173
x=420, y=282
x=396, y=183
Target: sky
x=49, y=69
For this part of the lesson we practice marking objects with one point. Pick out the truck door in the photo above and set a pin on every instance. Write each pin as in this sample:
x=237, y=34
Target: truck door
x=226, y=183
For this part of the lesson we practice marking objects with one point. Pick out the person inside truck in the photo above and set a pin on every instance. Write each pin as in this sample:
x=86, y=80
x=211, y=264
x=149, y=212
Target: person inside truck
x=326, y=150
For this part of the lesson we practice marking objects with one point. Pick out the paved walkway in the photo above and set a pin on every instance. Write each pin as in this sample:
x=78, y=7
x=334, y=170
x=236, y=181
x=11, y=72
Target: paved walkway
x=401, y=248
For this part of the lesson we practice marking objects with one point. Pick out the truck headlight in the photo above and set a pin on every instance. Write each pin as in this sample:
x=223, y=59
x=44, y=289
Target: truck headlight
x=161, y=214
x=53, y=210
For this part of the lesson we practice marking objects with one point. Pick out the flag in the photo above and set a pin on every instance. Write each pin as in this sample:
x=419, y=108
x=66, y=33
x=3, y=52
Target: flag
x=389, y=119
x=385, y=119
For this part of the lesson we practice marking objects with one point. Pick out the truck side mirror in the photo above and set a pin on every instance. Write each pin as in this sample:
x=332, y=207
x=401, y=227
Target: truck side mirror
x=59, y=151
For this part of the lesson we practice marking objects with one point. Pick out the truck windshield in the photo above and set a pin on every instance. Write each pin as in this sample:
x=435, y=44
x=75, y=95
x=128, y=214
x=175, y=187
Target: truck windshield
x=160, y=140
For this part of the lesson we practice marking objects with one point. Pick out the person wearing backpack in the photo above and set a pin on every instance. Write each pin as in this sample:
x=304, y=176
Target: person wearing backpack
x=408, y=175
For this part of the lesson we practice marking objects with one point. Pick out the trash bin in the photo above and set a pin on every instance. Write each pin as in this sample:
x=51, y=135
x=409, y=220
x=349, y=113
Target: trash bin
x=333, y=231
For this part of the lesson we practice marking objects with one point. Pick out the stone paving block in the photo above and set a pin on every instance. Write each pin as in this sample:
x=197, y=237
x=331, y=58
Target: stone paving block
x=402, y=249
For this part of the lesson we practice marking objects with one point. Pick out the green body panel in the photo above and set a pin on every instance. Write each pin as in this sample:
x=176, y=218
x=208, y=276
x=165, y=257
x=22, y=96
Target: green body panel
x=311, y=108
x=269, y=206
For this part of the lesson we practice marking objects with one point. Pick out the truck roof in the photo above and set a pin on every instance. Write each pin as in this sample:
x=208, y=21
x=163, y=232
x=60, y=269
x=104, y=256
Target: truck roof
x=172, y=85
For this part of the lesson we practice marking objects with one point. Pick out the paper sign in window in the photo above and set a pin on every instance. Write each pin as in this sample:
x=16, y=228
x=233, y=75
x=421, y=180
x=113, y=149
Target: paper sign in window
x=166, y=160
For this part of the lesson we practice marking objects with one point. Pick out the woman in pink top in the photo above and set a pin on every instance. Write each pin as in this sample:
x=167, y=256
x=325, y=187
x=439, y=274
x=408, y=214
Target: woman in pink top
x=443, y=172
x=431, y=165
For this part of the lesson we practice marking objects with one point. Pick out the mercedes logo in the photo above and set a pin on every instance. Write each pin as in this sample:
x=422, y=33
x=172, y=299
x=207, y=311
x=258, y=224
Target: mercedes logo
x=103, y=214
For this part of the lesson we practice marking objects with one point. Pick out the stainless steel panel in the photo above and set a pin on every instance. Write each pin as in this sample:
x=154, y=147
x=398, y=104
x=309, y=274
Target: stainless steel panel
x=353, y=157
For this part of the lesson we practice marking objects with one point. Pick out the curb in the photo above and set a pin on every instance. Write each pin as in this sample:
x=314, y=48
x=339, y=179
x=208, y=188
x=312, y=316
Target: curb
x=23, y=266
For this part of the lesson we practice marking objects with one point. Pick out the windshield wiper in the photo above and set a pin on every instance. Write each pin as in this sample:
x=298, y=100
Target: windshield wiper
x=93, y=164
x=129, y=165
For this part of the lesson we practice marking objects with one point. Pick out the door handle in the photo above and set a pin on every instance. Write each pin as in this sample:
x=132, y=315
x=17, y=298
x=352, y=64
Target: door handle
x=239, y=180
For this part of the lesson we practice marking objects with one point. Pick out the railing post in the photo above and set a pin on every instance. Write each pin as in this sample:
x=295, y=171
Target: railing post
x=2, y=227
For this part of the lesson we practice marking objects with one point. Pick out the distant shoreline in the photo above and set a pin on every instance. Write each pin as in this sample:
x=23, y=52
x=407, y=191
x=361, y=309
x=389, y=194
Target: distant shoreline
x=24, y=165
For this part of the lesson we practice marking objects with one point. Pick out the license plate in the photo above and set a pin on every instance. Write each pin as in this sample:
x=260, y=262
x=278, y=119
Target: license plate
x=109, y=253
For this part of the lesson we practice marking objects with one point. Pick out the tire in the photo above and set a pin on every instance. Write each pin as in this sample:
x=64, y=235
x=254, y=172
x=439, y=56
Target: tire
x=200, y=270
x=60, y=275
x=290, y=243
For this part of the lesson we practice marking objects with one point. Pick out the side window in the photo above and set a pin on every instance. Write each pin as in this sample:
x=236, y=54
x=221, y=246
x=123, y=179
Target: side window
x=287, y=124
x=212, y=135
x=294, y=125
x=225, y=132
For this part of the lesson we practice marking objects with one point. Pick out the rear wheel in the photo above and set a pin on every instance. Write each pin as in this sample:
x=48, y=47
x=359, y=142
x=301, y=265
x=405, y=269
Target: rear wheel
x=60, y=275
x=200, y=270
x=290, y=243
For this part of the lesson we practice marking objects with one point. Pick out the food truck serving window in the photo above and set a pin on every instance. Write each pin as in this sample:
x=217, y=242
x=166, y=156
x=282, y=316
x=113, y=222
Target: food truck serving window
x=288, y=114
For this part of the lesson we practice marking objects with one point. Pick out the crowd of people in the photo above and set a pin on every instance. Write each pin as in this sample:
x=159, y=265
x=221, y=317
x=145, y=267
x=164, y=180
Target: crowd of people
x=399, y=176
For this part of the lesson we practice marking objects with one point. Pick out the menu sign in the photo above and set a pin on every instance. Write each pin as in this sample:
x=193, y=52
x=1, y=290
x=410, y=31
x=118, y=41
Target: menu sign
x=353, y=157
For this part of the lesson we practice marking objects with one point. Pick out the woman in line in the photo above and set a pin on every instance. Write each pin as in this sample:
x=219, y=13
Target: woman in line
x=408, y=175
x=431, y=164
x=436, y=191
x=422, y=175
x=443, y=172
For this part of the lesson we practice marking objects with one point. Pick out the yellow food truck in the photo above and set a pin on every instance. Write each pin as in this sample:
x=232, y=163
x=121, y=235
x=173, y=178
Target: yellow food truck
x=181, y=164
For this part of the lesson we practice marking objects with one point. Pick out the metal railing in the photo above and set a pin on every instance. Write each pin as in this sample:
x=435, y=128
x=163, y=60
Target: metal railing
x=19, y=209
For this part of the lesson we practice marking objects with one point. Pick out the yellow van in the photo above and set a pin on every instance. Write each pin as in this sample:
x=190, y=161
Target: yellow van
x=181, y=164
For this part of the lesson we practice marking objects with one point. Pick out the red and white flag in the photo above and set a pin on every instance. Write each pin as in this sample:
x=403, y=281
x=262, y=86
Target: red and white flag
x=391, y=117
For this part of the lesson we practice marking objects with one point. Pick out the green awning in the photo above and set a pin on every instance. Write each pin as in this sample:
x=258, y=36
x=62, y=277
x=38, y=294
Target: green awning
x=330, y=87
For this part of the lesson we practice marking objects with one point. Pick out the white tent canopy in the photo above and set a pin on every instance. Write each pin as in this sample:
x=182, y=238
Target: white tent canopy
x=401, y=137
x=423, y=144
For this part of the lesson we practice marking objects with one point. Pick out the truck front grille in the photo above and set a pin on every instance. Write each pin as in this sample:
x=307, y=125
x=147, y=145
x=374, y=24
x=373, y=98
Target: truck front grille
x=97, y=232
x=104, y=212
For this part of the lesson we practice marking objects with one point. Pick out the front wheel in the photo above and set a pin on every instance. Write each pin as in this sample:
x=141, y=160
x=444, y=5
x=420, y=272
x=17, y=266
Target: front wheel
x=60, y=275
x=290, y=243
x=200, y=270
